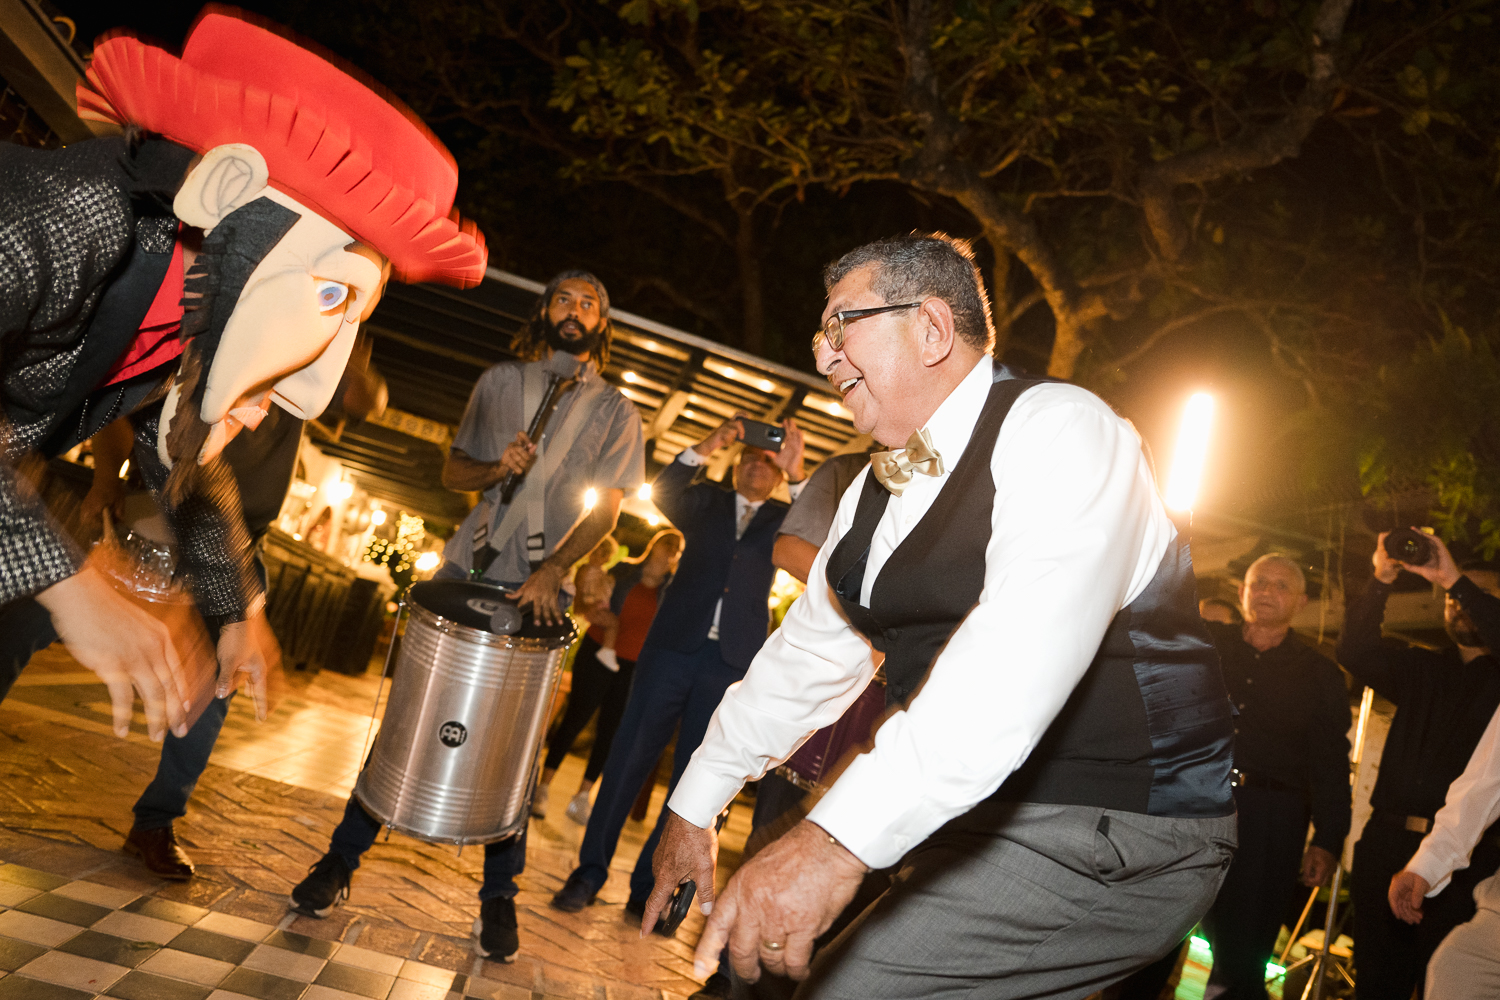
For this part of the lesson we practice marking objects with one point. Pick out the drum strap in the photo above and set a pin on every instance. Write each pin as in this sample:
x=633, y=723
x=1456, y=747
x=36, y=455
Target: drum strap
x=529, y=504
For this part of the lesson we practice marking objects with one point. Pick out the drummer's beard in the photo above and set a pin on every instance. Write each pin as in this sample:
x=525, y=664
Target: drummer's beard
x=572, y=337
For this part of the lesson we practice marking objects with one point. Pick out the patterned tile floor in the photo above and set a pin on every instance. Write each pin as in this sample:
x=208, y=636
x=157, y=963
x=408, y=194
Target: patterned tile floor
x=78, y=918
x=63, y=939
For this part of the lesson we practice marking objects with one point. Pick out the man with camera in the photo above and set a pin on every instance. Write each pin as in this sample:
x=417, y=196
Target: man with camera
x=1444, y=700
x=1466, y=965
x=710, y=624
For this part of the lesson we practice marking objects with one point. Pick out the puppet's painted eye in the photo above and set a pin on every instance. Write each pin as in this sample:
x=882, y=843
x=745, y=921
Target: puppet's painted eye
x=331, y=294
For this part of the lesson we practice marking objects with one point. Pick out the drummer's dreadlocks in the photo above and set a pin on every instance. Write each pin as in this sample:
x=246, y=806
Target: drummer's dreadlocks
x=530, y=341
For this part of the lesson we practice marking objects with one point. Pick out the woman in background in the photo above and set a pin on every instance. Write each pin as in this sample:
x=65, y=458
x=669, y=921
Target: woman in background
x=599, y=684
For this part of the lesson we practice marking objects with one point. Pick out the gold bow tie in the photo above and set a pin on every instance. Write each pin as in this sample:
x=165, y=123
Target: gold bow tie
x=894, y=469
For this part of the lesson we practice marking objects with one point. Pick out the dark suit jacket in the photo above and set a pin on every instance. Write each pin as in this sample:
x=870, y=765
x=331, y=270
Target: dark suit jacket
x=714, y=564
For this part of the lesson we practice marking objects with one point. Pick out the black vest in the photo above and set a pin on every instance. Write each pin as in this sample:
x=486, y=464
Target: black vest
x=1146, y=730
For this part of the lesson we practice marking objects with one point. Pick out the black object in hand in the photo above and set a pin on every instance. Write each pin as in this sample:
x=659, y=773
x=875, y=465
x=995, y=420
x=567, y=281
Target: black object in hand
x=1410, y=546
x=759, y=434
x=677, y=909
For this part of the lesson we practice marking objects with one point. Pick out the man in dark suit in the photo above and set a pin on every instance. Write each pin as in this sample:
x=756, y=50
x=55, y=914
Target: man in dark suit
x=711, y=623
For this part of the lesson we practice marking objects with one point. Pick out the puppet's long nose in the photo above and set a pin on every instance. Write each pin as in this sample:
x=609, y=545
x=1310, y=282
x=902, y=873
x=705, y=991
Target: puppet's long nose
x=277, y=337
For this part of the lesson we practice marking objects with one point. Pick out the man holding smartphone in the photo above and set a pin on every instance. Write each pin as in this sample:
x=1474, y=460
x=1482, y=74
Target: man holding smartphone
x=710, y=624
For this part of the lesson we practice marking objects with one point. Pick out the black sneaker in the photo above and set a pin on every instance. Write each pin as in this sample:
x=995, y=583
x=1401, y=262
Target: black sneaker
x=326, y=886
x=635, y=909
x=574, y=895
x=495, y=930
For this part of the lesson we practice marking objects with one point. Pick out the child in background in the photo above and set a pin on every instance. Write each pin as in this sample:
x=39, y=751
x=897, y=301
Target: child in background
x=595, y=586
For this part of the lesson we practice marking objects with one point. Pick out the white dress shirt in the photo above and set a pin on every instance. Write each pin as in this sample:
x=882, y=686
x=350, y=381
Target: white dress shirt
x=1473, y=804
x=689, y=456
x=1077, y=533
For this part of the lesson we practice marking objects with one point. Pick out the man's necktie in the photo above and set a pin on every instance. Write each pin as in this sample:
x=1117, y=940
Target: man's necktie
x=745, y=519
x=894, y=469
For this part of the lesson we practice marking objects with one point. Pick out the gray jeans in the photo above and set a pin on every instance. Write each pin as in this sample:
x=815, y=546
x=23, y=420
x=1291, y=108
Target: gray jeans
x=1024, y=900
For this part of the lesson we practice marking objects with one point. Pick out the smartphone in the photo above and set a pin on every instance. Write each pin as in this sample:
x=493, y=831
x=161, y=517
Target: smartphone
x=759, y=434
x=677, y=909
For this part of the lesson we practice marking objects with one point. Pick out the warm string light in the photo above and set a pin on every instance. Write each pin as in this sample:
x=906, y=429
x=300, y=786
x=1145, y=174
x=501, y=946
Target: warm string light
x=1192, y=451
x=590, y=498
x=398, y=553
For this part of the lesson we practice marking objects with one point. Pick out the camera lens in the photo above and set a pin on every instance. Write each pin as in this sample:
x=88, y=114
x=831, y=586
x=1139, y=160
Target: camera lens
x=1409, y=546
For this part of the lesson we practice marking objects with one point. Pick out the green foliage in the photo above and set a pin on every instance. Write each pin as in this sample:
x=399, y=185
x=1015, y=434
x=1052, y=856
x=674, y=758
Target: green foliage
x=1440, y=432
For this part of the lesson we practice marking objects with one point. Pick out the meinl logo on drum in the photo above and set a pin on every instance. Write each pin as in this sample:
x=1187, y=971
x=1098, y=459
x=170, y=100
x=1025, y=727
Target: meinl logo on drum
x=452, y=734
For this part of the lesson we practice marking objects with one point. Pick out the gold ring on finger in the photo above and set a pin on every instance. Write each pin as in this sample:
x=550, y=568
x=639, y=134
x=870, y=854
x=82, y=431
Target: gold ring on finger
x=772, y=945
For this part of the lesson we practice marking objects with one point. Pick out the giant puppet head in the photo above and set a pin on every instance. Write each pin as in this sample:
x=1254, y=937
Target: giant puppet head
x=312, y=186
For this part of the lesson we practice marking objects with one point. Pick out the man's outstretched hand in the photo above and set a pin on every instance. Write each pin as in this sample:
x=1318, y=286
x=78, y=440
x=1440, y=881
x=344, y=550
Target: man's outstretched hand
x=129, y=650
x=685, y=852
x=778, y=903
x=1407, y=892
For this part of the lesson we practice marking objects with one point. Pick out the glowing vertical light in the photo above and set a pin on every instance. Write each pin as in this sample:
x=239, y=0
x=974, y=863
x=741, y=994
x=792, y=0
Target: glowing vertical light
x=590, y=498
x=1192, y=449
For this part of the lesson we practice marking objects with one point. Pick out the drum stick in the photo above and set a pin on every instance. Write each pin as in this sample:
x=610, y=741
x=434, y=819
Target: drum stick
x=556, y=386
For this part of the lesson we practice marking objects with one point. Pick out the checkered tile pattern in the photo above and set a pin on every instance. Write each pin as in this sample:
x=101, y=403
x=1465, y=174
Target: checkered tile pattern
x=67, y=785
x=76, y=940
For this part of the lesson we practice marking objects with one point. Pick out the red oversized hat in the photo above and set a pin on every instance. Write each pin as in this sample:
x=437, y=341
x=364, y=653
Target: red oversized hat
x=340, y=145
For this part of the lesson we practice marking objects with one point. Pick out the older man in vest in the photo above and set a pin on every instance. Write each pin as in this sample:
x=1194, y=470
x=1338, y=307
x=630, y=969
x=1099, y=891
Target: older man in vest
x=1055, y=791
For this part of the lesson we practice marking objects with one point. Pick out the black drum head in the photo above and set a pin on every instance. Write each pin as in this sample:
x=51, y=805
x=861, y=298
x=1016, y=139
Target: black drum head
x=483, y=607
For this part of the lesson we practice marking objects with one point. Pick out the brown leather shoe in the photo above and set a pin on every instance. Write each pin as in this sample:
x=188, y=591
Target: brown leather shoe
x=159, y=851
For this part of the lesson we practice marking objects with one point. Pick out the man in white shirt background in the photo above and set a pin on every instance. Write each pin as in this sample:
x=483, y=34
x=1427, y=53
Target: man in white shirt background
x=1057, y=789
x=1467, y=964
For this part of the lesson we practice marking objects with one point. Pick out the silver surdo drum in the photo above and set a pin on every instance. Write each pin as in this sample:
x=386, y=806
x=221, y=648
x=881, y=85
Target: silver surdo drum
x=455, y=760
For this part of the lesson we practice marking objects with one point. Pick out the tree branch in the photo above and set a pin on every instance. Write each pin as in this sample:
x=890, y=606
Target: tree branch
x=1167, y=329
x=1253, y=149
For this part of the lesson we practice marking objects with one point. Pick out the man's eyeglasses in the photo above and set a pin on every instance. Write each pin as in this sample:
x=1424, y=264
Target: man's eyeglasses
x=833, y=332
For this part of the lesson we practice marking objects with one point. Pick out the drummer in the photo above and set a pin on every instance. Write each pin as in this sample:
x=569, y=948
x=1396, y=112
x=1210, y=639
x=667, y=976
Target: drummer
x=592, y=442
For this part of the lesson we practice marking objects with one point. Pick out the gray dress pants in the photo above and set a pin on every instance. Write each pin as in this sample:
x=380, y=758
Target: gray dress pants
x=1466, y=966
x=1025, y=900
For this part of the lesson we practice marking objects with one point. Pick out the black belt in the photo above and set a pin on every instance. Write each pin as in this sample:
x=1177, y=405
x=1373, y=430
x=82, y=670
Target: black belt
x=1411, y=824
x=1420, y=824
x=1240, y=779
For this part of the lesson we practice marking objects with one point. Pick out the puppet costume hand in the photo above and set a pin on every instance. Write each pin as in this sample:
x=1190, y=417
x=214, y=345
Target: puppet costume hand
x=125, y=646
x=248, y=651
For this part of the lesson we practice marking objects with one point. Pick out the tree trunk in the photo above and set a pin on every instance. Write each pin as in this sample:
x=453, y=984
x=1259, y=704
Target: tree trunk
x=1067, y=344
x=1000, y=296
x=752, y=285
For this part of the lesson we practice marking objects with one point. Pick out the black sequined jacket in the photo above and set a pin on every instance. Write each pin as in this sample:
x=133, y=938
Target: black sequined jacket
x=86, y=236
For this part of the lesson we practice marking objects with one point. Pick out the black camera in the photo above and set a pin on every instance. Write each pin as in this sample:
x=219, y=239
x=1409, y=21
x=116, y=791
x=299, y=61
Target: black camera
x=1410, y=546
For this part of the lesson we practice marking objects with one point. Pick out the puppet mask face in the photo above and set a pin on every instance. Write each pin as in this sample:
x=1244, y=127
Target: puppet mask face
x=296, y=315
